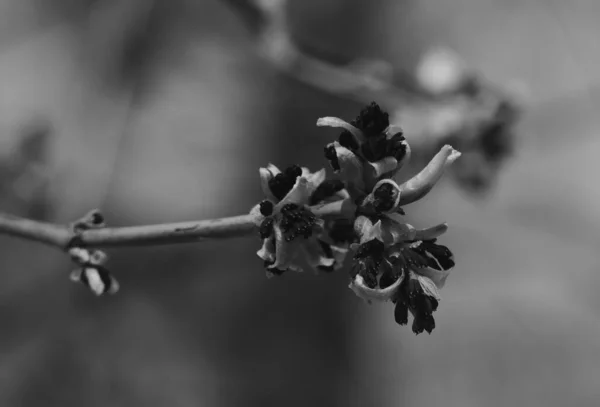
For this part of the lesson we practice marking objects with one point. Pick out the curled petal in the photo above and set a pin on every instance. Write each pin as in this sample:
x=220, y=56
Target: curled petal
x=377, y=294
x=316, y=255
x=367, y=230
x=266, y=174
x=431, y=233
x=429, y=287
x=347, y=165
x=340, y=195
x=376, y=170
x=418, y=186
x=286, y=253
x=314, y=179
x=273, y=169
x=438, y=277
x=267, y=251
x=383, y=166
x=339, y=123
x=396, y=232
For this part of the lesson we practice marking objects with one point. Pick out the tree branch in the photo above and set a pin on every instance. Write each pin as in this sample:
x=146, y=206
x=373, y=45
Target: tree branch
x=64, y=237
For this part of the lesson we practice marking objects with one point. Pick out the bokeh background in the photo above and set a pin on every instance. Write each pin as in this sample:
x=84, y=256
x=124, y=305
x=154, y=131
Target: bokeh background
x=162, y=110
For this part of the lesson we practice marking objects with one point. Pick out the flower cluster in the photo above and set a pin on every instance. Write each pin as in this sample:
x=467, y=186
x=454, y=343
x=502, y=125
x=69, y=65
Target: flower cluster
x=359, y=210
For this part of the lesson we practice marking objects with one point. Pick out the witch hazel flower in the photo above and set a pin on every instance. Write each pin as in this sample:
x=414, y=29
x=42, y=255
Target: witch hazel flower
x=291, y=232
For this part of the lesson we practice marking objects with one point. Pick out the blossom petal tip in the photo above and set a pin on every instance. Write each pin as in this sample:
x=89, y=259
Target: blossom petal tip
x=339, y=123
x=373, y=294
x=453, y=154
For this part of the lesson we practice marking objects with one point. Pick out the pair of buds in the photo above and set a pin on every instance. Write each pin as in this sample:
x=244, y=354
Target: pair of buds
x=91, y=271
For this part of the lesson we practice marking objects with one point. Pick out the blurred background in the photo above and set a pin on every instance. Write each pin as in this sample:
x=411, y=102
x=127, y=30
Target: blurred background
x=163, y=110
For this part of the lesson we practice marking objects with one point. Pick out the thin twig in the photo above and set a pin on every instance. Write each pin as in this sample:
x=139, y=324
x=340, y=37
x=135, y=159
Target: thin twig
x=359, y=80
x=166, y=233
x=64, y=237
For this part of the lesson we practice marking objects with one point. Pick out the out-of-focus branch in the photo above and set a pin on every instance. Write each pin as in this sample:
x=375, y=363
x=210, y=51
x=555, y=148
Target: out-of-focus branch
x=443, y=102
x=360, y=80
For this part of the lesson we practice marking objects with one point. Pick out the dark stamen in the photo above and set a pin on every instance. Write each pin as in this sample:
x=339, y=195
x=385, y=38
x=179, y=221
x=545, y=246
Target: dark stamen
x=281, y=184
x=266, y=208
x=296, y=221
x=384, y=197
x=372, y=120
x=266, y=228
x=396, y=147
x=331, y=156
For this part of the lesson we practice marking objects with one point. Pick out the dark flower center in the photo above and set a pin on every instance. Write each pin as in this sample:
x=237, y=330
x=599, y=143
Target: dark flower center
x=296, y=221
x=281, y=184
x=385, y=197
x=372, y=120
x=396, y=146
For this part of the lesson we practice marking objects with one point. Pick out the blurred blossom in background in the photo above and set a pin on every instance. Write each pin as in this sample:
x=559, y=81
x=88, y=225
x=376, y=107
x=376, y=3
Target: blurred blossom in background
x=162, y=110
